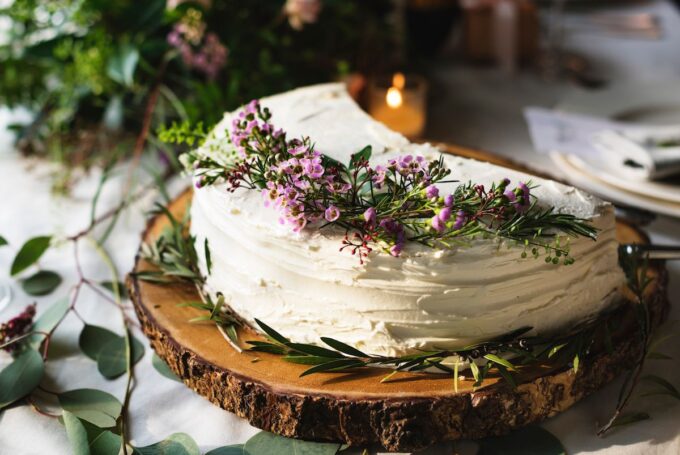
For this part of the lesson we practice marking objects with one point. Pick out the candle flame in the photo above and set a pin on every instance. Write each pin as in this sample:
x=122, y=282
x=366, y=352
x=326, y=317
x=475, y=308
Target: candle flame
x=394, y=98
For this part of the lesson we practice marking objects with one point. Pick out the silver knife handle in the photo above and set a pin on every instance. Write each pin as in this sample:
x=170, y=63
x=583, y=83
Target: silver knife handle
x=651, y=251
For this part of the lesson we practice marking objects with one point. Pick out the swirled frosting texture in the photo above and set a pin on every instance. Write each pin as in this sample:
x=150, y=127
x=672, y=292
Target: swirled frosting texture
x=304, y=287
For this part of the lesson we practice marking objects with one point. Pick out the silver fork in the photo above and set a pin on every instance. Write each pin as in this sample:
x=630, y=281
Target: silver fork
x=650, y=251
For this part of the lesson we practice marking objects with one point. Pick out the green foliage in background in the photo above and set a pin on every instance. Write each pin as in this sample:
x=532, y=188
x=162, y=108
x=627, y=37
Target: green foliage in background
x=93, y=70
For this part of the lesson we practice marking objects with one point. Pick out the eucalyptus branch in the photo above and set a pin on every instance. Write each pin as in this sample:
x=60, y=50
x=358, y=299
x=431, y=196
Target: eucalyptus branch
x=106, y=258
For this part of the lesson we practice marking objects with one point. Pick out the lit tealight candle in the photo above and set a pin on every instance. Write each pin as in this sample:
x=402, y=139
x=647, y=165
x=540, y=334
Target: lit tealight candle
x=401, y=107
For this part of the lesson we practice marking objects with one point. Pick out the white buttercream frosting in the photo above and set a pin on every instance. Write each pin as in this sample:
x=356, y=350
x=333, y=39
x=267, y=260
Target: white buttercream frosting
x=300, y=284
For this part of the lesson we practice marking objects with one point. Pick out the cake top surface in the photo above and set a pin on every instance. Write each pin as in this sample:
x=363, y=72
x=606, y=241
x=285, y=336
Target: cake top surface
x=338, y=128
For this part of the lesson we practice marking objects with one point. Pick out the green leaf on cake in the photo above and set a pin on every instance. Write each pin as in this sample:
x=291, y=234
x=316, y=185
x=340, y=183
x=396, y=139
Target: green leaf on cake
x=20, y=377
x=41, y=283
x=3, y=241
x=271, y=333
x=531, y=440
x=163, y=368
x=208, y=259
x=95, y=406
x=48, y=321
x=265, y=443
x=175, y=444
x=29, y=253
x=362, y=155
x=342, y=347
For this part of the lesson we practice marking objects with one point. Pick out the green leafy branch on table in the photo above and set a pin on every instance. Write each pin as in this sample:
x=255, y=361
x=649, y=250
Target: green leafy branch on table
x=88, y=68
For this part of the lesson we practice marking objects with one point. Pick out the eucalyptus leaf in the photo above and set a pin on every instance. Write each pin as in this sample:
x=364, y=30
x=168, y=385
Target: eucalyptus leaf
x=29, y=253
x=3, y=241
x=112, y=358
x=531, y=440
x=175, y=444
x=102, y=441
x=41, y=283
x=265, y=443
x=105, y=443
x=95, y=406
x=77, y=435
x=163, y=368
x=237, y=449
x=47, y=321
x=93, y=338
x=20, y=377
x=122, y=64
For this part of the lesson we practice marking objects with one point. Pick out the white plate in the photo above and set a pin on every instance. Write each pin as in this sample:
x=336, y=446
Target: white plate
x=650, y=103
x=612, y=193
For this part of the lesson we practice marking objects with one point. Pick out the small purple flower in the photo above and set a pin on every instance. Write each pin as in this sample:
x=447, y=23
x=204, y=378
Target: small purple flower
x=378, y=177
x=445, y=214
x=432, y=192
x=332, y=213
x=526, y=197
x=298, y=150
x=448, y=200
x=312, y=168
x=370, y=216
x=510, y=195
x=437, y=223
x=395, y=250
x=460, y=220
x=299, y=224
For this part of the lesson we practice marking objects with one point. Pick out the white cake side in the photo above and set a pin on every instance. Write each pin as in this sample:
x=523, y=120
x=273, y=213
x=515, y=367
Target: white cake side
x=300, y=284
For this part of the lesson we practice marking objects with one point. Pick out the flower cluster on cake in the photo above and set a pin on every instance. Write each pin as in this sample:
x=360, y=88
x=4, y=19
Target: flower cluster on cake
x=311, y=216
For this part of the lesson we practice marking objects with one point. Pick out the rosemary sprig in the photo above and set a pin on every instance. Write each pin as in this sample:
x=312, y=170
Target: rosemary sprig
x=174, y=255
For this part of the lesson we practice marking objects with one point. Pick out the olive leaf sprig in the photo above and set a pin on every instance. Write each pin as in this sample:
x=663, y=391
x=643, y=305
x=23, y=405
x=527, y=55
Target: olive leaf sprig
x=505, y=355
x=174, y=255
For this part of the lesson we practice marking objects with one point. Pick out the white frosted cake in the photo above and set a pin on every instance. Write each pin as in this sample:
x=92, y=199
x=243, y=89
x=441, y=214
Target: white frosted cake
x=300, y=284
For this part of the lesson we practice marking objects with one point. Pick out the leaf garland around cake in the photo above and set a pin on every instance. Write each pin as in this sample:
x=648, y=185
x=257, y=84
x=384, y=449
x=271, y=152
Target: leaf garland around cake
x=382, y=206
x=174, y=255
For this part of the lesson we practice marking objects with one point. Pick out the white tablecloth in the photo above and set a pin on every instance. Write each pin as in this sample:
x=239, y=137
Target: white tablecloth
x=160, y=406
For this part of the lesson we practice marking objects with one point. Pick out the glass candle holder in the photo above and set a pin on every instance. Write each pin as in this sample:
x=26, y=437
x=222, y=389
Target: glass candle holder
x=400, y=102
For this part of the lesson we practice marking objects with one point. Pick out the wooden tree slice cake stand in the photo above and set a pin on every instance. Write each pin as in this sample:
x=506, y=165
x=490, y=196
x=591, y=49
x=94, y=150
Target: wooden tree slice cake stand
x=410, y=412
